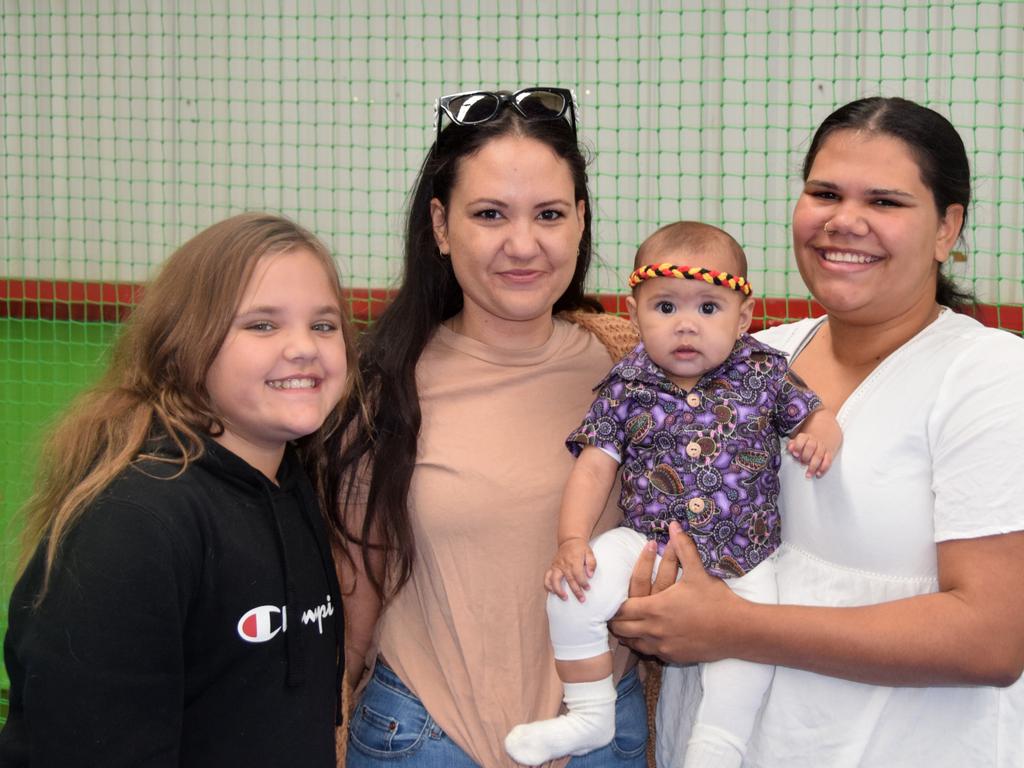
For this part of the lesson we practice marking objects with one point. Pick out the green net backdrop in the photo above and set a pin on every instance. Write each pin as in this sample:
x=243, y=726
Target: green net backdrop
x=129, y=126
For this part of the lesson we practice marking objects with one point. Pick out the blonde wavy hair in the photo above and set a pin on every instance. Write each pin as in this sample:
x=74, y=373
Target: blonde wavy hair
x=155, y=384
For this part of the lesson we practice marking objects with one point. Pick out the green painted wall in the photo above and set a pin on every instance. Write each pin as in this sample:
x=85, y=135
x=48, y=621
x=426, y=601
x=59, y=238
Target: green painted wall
x=43, y=365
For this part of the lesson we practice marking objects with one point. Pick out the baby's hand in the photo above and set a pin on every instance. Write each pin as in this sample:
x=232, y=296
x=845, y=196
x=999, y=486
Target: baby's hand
x=810, y=451
x=574, y=562
x=817, y=443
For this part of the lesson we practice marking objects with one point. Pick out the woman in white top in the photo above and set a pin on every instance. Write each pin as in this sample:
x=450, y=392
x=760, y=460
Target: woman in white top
x=900, y=638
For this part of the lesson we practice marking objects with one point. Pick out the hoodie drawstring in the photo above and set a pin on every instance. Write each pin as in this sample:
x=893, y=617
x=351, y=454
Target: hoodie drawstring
x=293, y=647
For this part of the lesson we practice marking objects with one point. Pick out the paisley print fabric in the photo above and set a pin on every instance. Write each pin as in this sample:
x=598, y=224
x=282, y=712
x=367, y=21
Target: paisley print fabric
x=709, y=457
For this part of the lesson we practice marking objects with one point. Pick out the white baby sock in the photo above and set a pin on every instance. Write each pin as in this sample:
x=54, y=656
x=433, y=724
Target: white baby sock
x=588, y=725
x=711, y=747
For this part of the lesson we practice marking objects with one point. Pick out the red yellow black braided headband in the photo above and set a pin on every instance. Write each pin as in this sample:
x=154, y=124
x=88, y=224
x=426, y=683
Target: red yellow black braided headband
x=712, y=276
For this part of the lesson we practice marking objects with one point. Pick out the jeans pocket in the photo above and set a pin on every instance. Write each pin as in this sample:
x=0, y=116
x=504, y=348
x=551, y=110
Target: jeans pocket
x=388, y=722
x=630, y=718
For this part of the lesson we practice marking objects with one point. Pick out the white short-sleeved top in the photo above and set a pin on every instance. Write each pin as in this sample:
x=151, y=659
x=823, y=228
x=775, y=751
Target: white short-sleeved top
x=933, y=450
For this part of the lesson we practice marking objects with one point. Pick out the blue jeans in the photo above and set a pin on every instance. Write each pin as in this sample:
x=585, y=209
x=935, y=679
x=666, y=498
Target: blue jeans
x=389, y=725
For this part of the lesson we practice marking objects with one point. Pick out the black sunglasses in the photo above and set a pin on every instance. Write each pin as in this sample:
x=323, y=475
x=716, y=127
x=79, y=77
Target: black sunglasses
x=476, y=107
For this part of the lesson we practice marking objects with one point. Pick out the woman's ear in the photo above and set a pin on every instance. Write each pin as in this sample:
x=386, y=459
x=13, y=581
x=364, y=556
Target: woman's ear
x=440, y=223
x=949, y=230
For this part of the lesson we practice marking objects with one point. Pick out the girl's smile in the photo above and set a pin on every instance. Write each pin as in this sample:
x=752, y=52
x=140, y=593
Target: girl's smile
x=295, y=383
x=282, y=366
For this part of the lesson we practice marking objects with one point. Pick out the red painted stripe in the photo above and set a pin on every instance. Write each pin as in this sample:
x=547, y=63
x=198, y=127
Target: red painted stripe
x=67, y=300
x=113, y=302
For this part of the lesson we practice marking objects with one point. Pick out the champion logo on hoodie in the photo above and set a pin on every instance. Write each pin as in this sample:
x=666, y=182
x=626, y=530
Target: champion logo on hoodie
x=262, y=623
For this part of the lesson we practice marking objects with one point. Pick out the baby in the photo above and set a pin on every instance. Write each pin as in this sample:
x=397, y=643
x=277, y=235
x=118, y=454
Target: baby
x=694, y=416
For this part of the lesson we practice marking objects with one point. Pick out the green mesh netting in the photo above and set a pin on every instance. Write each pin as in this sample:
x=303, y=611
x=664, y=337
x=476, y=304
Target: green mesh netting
x=126, y=130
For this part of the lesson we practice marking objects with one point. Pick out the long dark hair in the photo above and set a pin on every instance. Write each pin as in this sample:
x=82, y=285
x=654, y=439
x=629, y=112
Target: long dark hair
x=935, y=146
x=378, y=449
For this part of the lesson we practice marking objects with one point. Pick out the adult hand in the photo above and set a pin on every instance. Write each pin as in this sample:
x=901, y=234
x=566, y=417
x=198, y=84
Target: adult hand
x=681, y=621
x=644, y=581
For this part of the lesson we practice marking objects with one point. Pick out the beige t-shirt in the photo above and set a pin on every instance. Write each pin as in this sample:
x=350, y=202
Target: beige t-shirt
x=468, y=634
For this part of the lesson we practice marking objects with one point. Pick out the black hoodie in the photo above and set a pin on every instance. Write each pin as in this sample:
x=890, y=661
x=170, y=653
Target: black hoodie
x=191, y=620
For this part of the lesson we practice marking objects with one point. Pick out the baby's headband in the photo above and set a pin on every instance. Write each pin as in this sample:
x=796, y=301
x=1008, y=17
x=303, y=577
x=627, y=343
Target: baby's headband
x=712, y=276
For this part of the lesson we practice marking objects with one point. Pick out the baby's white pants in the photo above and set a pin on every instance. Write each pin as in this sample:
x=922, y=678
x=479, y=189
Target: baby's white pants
x=733, y=690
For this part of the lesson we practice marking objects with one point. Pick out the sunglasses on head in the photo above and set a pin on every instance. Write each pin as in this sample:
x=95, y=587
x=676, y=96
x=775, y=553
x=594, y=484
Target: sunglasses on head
x=476, y=107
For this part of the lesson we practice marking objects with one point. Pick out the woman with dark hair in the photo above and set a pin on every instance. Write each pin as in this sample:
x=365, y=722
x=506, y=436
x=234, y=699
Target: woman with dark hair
x=454, y=462
x=900, y=637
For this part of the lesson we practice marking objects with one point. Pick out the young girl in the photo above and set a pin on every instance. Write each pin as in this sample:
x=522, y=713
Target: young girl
x=694, y=416
x=180, y=605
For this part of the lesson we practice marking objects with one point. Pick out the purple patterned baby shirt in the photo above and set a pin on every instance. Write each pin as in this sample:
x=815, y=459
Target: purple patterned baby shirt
x=708, y=458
